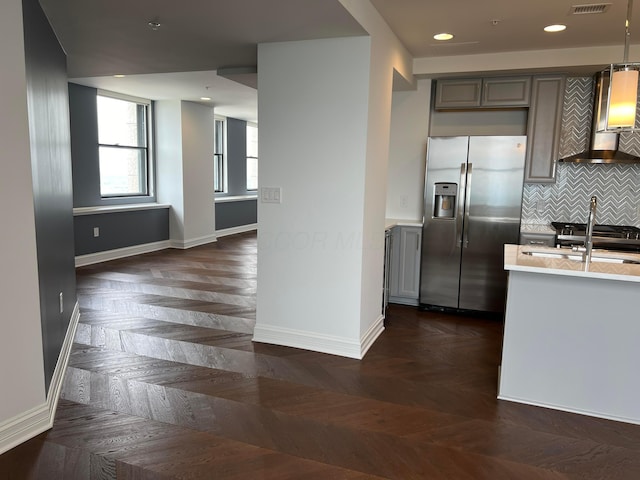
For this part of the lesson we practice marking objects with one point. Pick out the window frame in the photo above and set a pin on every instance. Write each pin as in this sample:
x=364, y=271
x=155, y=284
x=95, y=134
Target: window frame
x=148, y=157
x=252, y=125
x=222, y=163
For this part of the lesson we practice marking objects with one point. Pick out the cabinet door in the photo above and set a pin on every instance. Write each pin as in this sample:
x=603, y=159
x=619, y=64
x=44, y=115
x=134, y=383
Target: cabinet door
x=458, y=93
x=409, y=268
x=543, y=129
x=506, y=92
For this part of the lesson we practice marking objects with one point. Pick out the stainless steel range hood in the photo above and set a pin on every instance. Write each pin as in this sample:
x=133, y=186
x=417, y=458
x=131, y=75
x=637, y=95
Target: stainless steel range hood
x=603, y=146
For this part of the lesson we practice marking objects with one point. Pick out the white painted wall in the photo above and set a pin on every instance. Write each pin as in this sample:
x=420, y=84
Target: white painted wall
x=313, y=129
x=21, y=360
x=197, y=168
x=533, y=60
x=169, y=169
x=407, y=152
x=325, y=109
x=184, y=153
x=387, y=55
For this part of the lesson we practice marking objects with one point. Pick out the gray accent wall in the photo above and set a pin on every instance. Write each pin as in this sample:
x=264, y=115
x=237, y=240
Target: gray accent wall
x=231, y=214
x=120, y=229
x=47, y=104
x=236, y=157
x=84, y=145
x=236, y=214
x=117, y=229
x=83, y=112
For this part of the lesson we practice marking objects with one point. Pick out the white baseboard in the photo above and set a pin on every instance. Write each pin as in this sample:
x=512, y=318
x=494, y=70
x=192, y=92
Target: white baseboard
x=39, y=419
x=589, y=413
x=371, y=335
x=404, y=301
x=193, y=242
x=115, y=254
x=317, y=342
x=239, y=229
x=98, y=257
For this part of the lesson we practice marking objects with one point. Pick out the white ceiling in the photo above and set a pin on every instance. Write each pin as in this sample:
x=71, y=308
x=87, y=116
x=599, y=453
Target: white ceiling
x=519, y=25
x=197, y=37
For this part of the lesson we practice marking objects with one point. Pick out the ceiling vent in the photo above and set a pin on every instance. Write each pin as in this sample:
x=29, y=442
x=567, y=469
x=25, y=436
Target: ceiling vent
x=590, y=9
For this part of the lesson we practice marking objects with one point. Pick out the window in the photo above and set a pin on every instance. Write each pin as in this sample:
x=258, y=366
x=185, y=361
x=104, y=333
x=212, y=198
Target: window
x=252, y=156
x=218, y=156
x=123, y=146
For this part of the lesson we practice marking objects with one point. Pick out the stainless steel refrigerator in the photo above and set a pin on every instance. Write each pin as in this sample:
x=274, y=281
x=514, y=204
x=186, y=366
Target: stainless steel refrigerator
x=473, y=196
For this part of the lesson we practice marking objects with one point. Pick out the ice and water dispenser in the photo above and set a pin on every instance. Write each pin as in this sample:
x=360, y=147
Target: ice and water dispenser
x=444, y=205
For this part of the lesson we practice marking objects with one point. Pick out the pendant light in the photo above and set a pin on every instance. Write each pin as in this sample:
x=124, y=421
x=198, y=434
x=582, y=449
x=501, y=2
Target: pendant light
x=622, y=102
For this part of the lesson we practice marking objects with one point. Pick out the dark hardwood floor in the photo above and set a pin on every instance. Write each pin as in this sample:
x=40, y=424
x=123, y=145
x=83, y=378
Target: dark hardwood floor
x=164, y=382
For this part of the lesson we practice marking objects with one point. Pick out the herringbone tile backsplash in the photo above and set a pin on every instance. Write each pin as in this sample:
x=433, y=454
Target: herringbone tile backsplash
x=616, y=186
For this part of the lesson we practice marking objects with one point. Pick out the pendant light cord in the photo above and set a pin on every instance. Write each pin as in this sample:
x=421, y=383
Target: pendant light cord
x=627, y=31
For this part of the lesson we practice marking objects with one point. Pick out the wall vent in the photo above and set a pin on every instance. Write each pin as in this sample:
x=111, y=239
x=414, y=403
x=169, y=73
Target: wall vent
x=590, y=9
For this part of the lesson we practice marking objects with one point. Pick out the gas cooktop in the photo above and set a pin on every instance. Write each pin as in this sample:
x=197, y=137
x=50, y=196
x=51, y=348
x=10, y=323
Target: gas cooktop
x=616, y=237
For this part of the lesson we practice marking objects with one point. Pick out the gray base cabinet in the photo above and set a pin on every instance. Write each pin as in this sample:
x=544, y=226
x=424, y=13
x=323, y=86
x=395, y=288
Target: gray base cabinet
x=404, y=285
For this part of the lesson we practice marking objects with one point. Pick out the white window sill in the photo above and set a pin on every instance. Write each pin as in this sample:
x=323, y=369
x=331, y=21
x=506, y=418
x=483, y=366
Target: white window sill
x=117, y=208
x=235, y=198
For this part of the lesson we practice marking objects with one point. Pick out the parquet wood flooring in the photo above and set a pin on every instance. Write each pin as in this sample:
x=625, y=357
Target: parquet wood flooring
x=164, y=382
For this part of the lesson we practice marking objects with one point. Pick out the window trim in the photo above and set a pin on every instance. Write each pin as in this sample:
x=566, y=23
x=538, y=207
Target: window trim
x=150, y=153
x=224, y=179
x=253, y=125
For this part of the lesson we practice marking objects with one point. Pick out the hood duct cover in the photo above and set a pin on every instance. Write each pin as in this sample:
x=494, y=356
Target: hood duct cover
x=603, y=146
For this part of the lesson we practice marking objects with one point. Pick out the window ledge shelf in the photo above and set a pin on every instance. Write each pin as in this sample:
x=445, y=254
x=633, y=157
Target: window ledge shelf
x=235, y=198
x=117, y=208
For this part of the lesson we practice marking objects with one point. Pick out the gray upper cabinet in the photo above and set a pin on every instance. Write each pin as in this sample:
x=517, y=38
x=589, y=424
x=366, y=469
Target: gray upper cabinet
x=496, y=92
x=506, y=92
x=454, y=93
x=543, y=129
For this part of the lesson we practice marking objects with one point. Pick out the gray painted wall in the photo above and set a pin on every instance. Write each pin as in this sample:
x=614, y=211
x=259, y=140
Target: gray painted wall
x=84, y=151
x=120, y=229
x=478, y=122
x=117, y=229
x=84, y=145
x=235, y=214
x=245, y=212
x=236, y=157
x=52, y=185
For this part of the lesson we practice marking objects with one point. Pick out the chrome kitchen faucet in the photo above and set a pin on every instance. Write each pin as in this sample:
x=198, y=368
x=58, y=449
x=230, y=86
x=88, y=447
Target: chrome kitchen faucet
x=588, y=238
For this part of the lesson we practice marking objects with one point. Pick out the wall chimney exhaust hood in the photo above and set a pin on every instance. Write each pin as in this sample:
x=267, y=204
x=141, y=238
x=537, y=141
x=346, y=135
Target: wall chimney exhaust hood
x=603, y=146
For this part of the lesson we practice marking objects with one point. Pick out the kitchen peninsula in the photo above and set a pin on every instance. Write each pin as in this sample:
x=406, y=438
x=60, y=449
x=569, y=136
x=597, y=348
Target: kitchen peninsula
x=571, y=333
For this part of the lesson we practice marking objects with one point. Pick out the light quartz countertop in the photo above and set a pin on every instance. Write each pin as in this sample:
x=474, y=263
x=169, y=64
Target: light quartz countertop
x=516, y=259
x=389, y=223
x=542, y=228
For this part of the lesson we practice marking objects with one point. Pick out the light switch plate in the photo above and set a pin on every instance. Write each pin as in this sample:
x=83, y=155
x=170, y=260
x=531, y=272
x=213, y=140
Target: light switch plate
x=271, y=195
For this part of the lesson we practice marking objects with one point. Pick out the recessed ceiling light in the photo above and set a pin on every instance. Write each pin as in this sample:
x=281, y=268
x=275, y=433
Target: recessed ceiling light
x=443, y=36
x=119, y=75
x=555, y=28
x=154, y=24
x=205, y=98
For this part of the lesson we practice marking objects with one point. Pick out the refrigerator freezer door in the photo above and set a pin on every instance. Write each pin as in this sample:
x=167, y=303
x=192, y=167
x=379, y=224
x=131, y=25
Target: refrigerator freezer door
x=494, y=197
x=442, y=237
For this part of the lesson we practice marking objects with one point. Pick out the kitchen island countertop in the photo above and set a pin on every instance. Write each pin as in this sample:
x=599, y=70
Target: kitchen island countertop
x=389, y=223
x=571, y=334
x=516, y=259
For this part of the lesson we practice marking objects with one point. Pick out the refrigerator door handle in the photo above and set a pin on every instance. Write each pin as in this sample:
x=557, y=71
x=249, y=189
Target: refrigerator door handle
x=467, y=205
x=459, y=216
